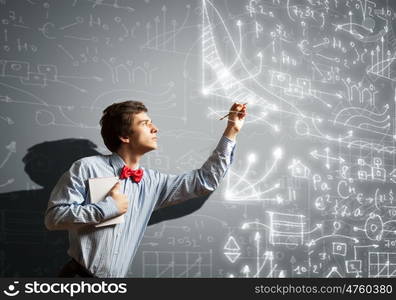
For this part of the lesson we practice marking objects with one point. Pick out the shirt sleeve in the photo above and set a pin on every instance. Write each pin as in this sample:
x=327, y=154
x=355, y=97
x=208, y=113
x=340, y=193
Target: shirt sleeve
x=176, y=188
x=67, y=206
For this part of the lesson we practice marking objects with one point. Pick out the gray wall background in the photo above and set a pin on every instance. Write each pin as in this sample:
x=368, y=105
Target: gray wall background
x=63, y=62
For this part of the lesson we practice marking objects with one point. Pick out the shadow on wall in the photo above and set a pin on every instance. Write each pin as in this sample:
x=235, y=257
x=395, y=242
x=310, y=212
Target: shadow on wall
x=27, y=248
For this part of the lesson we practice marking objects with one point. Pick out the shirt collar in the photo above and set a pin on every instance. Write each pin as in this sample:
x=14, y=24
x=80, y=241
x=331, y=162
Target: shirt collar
x=117, y=163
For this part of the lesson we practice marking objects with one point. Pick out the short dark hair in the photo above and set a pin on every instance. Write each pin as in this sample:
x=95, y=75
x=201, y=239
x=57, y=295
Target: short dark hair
x=116, y=121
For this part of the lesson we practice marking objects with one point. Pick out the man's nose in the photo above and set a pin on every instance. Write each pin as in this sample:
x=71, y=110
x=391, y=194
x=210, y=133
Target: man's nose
x=154, y=129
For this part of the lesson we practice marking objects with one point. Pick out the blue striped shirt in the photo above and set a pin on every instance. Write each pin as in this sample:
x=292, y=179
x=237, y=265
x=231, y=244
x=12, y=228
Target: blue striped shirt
x=108, y=251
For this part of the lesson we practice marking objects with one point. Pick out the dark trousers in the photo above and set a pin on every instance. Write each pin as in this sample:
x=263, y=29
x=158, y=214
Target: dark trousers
x=73, y=269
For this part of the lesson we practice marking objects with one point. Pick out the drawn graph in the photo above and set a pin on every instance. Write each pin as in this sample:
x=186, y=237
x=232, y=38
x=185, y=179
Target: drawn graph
x=382, y=264
x=177, y=264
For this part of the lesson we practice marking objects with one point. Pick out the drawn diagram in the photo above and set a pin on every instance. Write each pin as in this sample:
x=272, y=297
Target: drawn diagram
x=320, y=75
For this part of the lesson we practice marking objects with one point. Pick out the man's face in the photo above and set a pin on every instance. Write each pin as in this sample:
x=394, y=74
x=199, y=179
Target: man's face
x=144, y=134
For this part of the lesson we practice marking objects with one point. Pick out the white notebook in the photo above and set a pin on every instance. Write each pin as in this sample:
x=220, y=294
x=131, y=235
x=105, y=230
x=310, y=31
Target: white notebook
x=98, y=189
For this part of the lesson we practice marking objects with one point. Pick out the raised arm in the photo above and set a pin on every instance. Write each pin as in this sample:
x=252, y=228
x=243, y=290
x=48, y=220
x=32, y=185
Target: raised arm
x=202, y=181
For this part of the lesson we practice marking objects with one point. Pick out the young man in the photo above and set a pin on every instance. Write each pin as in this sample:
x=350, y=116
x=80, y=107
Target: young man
x=128, y=133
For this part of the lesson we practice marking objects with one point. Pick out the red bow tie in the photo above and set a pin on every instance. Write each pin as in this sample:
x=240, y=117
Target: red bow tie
x=128, y=172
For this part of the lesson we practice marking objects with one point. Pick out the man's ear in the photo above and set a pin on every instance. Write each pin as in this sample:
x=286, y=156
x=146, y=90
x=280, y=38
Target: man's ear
x=124, y=139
